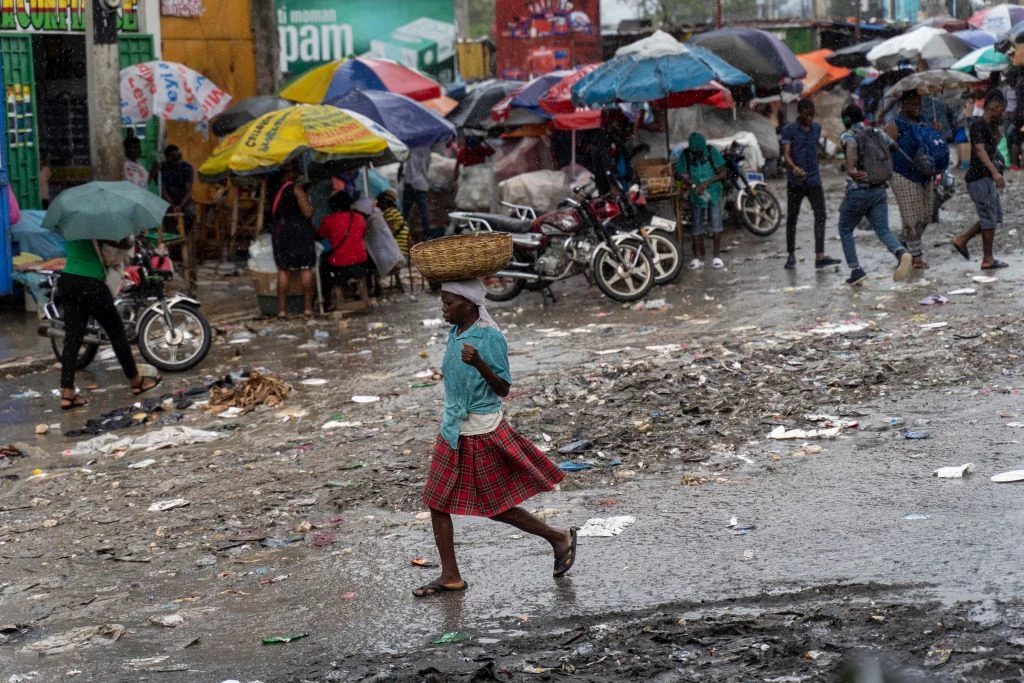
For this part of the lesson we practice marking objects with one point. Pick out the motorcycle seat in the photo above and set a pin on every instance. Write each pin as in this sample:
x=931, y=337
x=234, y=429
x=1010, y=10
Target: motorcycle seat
x=501, y=223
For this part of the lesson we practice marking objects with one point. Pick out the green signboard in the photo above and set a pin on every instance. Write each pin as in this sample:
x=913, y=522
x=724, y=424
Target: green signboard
x=417, y=33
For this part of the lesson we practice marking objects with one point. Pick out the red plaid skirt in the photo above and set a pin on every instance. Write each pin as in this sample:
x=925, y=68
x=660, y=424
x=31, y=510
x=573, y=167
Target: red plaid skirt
x=488, y=474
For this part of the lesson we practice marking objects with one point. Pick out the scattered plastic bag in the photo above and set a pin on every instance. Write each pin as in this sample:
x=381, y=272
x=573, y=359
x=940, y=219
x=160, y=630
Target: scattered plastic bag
x=273, y=640
x=164, y=505
x=934, y=299
x=577, y=446
x=956, y=472
x=572, y=466
x=168, y=437
x=76, y=639
x=606, y=526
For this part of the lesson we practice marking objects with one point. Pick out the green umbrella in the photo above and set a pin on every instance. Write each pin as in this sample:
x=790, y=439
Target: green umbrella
x=982, y=62
x=104, y=211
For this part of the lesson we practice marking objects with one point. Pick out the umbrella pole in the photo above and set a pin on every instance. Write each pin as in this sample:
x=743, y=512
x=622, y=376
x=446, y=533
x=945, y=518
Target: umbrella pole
x=366, y=181
x=229, y=248
x=668, y=144
x=572, y=156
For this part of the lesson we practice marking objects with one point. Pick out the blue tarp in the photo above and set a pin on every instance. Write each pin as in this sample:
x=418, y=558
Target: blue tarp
x=32, y=237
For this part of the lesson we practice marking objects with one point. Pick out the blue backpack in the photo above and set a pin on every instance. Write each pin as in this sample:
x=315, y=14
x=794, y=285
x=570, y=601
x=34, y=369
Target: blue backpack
x=932, y=155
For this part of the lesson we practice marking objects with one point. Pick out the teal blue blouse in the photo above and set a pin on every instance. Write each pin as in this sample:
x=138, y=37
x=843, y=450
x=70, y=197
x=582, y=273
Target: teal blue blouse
x=465, y=389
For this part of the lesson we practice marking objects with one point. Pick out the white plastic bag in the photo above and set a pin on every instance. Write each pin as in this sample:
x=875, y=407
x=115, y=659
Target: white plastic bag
x=474, y=192
x=381, y=244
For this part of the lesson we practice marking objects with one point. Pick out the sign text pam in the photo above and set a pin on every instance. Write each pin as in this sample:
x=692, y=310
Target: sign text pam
x=313, y=36
x=59, y=15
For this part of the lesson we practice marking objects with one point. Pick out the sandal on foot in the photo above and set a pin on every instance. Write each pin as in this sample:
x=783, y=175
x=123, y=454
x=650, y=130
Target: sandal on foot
x=564, y=562
x=995, y=265
x=961, y=250
x=436, y=587
x=70, y=403
x=142, y=388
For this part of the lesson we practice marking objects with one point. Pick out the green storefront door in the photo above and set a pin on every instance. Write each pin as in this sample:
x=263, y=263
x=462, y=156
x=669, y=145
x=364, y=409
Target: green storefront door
x=20, y=110
x=134, y=49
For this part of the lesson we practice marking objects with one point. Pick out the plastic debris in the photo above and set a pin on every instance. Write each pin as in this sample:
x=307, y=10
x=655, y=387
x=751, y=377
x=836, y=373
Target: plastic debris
x=933, y=299
x=781, y=433
x=426, y=564
x=168, y=620
x=340, y=424
x=166, y=437
x=1008, y=477
x=984, y=279
x=739, y=529
x=142, y=464
x=956, y=472
x=916, y=435
x=365, y=399
x=606, y=526
x=162, y=505
x=450, y=637
x=76, y=639
x=572, y=466
x=915, y=517
x=321, y=335
x=314, y=382
x=31, y=393
x=938, y=654
x=577, y=446
x=273, y=640
x=966, y=291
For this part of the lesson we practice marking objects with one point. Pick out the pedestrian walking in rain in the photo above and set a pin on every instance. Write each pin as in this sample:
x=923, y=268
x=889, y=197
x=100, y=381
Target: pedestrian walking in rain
x=703, y=169
x=984, y=180
x=416, y=188
x=913, y=190
x=480, y=465
x=803, y=176
x=82, y=293
x=868, y=167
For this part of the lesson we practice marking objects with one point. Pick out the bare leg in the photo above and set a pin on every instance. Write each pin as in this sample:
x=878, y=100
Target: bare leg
x=524, y=520
x=988, y=237
x=444, y=538
x=308, y=286
x=282, y=293
x=967, y=235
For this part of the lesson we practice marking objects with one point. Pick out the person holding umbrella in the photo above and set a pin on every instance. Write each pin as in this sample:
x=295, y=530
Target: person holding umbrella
x=93, y=218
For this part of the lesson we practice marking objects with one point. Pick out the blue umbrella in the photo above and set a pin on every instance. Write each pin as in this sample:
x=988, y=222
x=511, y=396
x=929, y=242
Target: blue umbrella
x=976, y=38
x=529, y=95
x=406, y=119
x=646, y=75
x=758, y=53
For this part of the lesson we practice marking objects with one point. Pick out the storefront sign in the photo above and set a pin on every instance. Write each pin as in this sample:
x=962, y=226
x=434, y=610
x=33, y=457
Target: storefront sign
x=418, y=33
x=181, y=8
x=538, y=36
x=59, y=16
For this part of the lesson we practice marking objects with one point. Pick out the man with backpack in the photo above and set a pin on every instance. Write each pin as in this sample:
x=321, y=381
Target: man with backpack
x=984, y=180
x=702, y=169
x=921, y=152
x=869, y=168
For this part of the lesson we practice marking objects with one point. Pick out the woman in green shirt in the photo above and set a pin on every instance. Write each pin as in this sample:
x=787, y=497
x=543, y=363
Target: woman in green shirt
x=82, y=293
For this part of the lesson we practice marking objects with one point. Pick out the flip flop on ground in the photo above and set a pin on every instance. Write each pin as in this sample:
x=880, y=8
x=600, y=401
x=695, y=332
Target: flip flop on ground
x=961, y=250
x=146, y=384
x=995, y=265
x=436, y=587
x=564, y=561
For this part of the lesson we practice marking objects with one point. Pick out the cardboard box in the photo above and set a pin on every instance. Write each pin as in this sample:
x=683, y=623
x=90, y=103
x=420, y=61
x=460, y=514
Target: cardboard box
x=441, y=33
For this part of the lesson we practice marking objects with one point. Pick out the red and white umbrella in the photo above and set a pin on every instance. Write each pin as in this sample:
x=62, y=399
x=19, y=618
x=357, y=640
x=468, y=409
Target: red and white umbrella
x=170, y=92
x=998, y=19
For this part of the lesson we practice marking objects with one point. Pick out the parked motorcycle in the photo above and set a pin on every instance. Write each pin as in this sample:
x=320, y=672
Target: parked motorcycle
x=171, y=332
x=572, y=239
x=628, y=212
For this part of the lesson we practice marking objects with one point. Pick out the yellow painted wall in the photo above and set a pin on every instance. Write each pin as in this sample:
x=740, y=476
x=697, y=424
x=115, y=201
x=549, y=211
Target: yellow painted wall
x=218, y=45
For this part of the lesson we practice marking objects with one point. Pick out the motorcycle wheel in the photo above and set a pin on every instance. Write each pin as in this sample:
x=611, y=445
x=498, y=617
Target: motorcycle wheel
x=667, y=257
x=619, y=282
x=86, y=354
x=760, y=212
x=179, y=348
x=503, y=288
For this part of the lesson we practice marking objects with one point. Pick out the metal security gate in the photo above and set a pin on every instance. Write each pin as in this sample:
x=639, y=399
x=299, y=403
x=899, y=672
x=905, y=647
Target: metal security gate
x=21, y=140
x=135, y=49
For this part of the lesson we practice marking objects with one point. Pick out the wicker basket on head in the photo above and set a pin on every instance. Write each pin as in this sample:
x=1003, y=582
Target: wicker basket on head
x=461, y=257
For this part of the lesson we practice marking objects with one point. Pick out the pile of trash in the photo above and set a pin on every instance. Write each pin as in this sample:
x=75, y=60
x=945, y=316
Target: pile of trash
x=256, y=390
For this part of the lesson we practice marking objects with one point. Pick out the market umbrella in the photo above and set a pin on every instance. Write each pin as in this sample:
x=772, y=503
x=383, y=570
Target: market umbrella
x=336, y=78
x=325, y=133
x=170, y=92
x=558, y=98
x=528, y=96
x=1013, y=37
x=820, y=74
x=853, y=56
x=997, y=19
x=932, y=82
x=474, y=111
x=939, y=48
x=104, y=210
x=244, y=111
x=768, y=61
x=976, y=38
x=983, y=62
x=406, y=119
x=657, y=68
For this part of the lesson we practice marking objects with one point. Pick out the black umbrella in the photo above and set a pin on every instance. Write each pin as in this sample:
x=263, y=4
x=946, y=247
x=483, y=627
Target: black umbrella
x=474, y=111
x=244, y=111
x=853, y=56
x=759, y=54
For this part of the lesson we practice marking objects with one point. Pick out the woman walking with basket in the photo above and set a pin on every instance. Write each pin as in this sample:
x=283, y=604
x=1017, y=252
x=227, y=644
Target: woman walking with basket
x=480, y=465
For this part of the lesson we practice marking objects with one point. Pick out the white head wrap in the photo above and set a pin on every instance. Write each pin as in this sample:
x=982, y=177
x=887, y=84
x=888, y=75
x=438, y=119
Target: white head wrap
x=472, y=290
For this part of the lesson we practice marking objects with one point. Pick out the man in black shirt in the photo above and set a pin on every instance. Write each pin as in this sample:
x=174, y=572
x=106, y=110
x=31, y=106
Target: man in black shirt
x=176, y=177
x=984, y=180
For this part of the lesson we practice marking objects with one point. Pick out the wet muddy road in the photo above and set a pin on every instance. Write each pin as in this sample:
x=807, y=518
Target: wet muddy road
x=854, y=548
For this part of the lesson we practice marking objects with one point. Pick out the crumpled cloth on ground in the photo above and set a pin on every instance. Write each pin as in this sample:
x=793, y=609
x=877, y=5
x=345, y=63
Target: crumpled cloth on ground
x=76, y=639
x=168, y=437
x=257, y=390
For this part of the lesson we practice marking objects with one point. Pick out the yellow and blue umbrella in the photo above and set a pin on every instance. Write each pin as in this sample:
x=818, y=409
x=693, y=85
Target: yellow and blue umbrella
x=323, y=133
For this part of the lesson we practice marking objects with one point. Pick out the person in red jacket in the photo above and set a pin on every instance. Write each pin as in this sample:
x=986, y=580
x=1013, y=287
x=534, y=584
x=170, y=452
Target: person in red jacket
x=346, y=258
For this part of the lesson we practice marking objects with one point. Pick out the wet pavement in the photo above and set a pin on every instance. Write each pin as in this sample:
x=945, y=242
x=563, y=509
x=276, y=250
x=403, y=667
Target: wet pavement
x=854, y=547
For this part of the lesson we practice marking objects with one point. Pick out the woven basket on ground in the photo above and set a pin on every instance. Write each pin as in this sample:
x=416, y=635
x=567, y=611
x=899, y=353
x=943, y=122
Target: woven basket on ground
x=461, y=257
